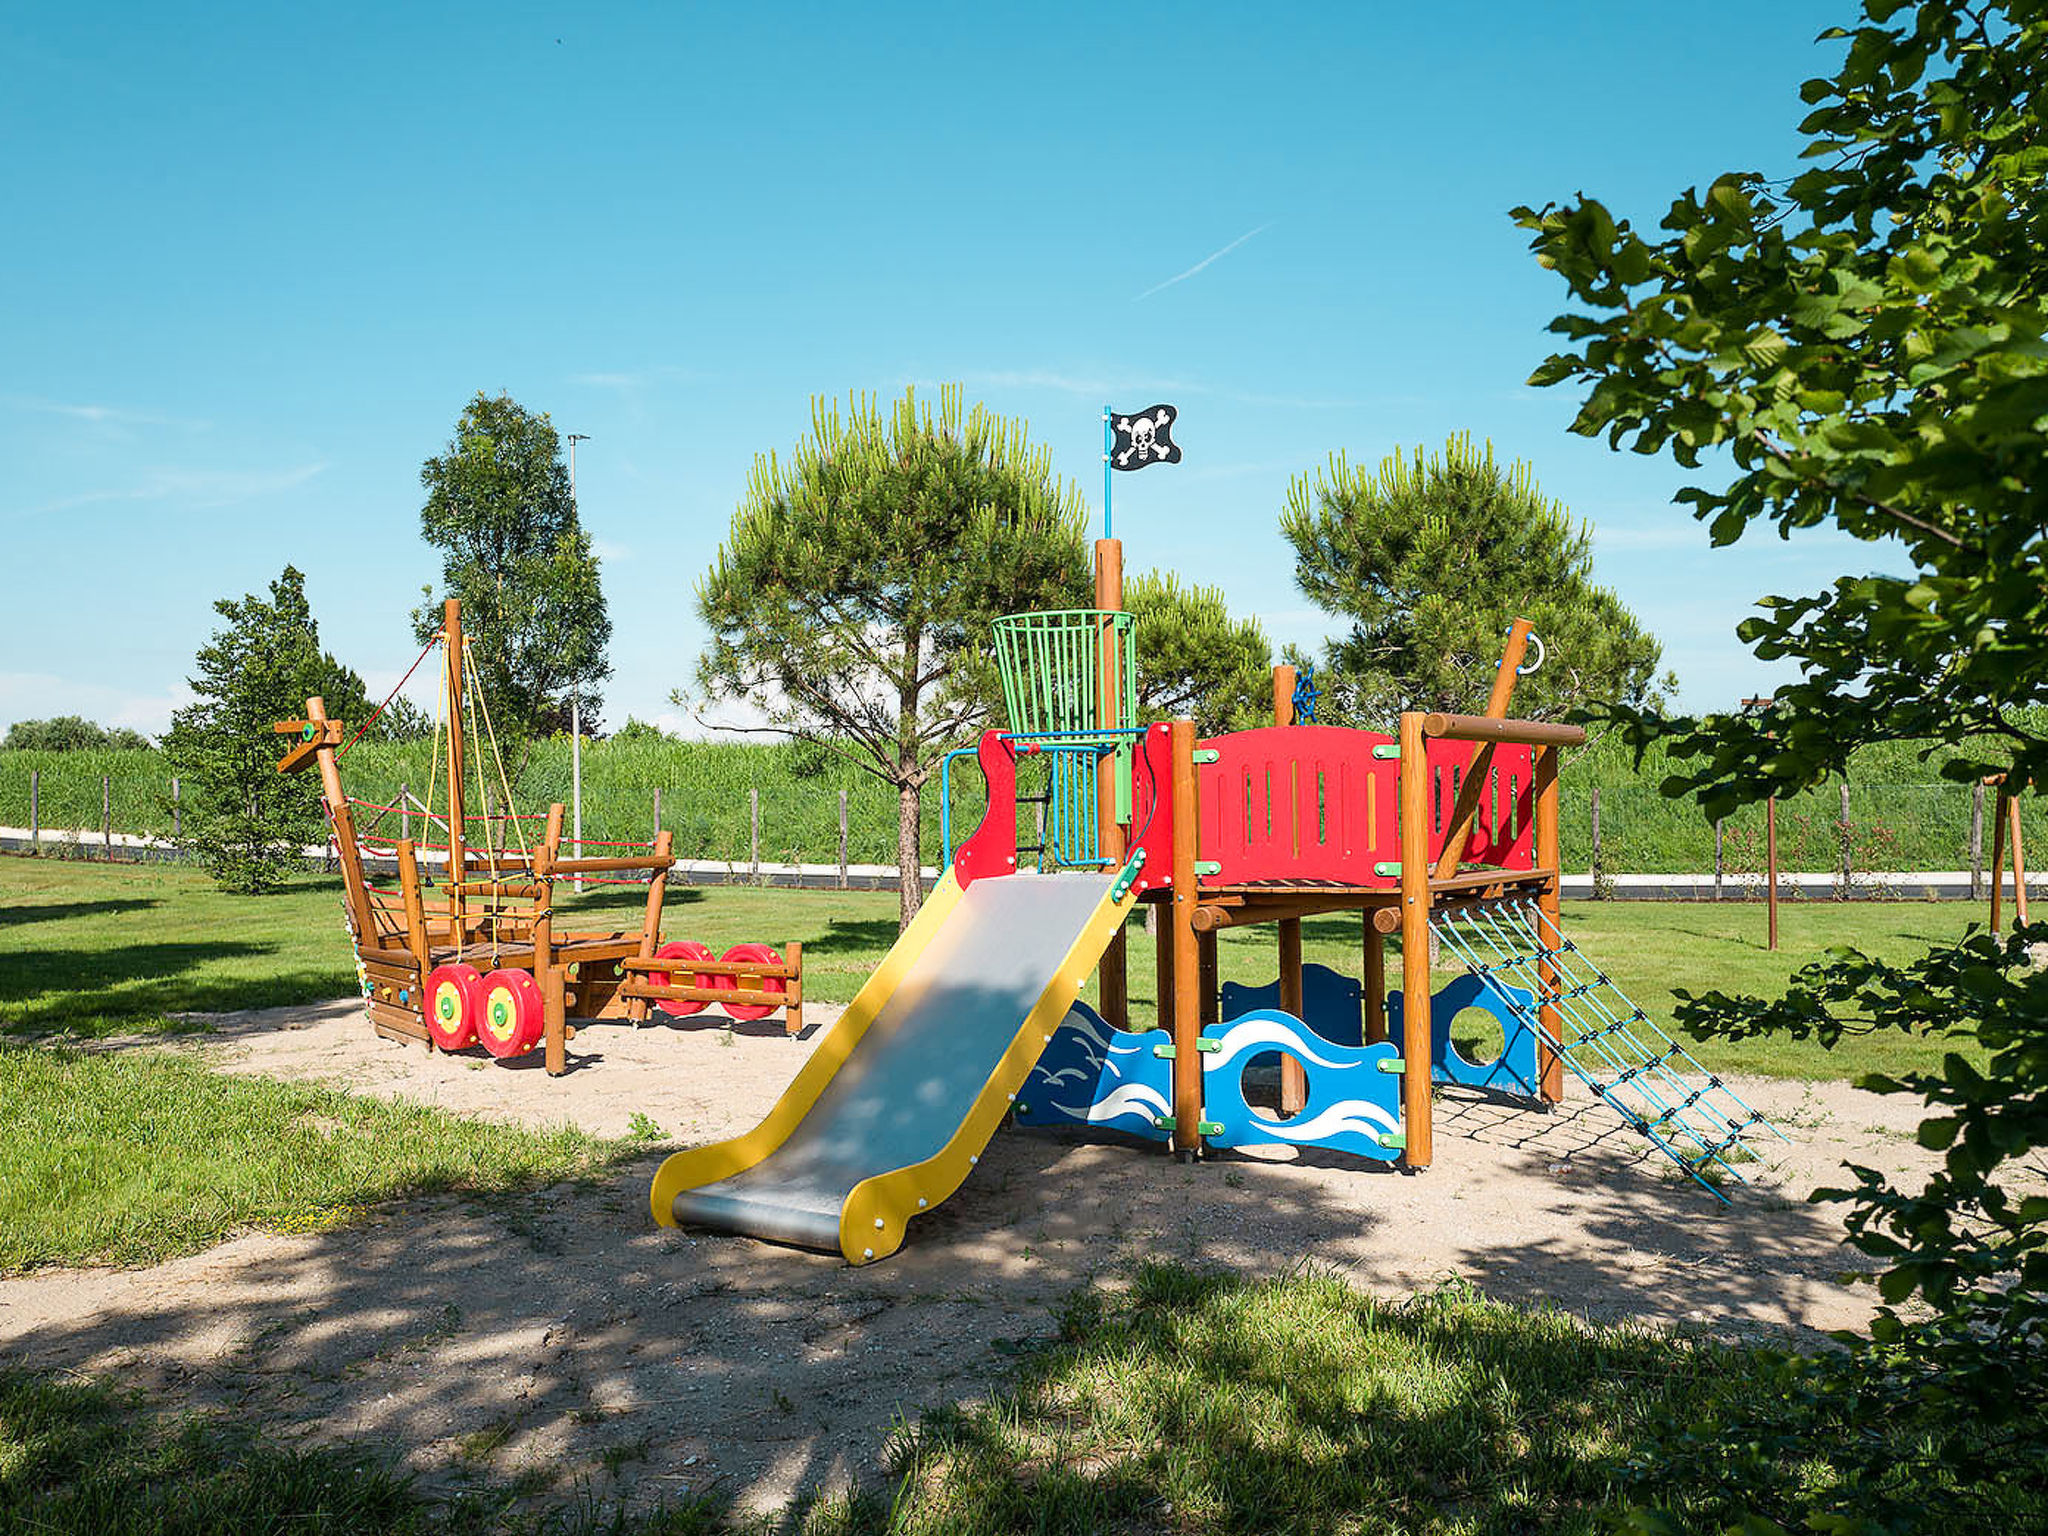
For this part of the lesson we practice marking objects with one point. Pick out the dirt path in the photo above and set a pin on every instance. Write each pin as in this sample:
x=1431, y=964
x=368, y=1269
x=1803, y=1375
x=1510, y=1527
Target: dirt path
x=566, y=1333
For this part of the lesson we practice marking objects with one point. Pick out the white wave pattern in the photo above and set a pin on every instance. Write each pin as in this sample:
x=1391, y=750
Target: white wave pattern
x=1252, y=1032
x=1086, y=1026
x=1131, y=1099
x=1354, y=1115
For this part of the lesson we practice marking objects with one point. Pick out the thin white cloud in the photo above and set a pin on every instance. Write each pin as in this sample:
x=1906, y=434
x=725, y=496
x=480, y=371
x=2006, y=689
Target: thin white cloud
x=194, y=487
x=102, y=415
x=1216, y=255
x=634, y=378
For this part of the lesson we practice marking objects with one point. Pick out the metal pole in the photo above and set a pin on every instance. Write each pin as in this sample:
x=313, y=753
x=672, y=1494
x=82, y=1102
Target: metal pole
x=1596, y=841
x=177, y=811
x=1717, y=858
x=35, y=808
x=107, y=813
x=575, y=705
x=754, y=835
x=842, y=839
x=1771, y=863
x=1848, y=852
x=1108, y=442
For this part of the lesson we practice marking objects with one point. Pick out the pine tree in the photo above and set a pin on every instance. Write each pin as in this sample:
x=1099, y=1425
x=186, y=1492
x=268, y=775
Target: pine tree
x=245, y=821
x=854, y=598
x=1194, y=659
x=1431, y=558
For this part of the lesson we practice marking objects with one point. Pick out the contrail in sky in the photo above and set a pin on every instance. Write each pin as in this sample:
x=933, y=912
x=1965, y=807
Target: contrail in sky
x=1212, y=256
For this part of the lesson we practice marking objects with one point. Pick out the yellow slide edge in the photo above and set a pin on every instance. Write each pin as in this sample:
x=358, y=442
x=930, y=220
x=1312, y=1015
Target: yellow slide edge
x=695, y=1167
x=877, y=1211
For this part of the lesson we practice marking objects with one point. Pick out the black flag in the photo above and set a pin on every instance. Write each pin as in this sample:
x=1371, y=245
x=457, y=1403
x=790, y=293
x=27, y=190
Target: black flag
x=1145, y=439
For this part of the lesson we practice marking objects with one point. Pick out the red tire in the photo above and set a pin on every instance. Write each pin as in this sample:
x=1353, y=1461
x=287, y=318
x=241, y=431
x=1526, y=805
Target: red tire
x=756, y=954
x=512, y=1018
x=454, y=1002
x=685, y=949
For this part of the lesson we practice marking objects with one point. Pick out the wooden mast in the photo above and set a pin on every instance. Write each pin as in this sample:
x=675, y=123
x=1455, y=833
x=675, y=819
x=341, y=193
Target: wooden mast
x=451, y=673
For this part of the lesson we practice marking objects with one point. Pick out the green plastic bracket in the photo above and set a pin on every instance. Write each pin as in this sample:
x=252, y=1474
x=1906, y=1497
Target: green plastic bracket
x=1393, y=1065
x=1395, y=1140
x=1386, y=867
x=1163, y=1122
x=1208, y=1127
x=1209, y=1047
x=1208, y=867
x=1385, y=750
x=1164, y=1050
x=1207, y=755
x=1122, y=885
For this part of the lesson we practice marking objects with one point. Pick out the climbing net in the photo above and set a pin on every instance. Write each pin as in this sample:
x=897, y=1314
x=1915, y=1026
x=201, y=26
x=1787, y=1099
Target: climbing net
x=1606, y=1040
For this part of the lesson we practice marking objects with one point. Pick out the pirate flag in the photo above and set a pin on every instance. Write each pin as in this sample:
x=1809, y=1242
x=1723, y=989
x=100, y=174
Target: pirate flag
x=1145, y=439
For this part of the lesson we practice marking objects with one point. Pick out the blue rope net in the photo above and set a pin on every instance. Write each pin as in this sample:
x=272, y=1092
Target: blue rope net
x=1608, y=1042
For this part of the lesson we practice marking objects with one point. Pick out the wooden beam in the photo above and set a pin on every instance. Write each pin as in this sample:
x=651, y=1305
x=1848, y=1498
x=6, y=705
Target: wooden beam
x=1528, y=733
x=1467, y=806
x=1549, y=1022
x=1417, y=1068
x=1186, y=1009
x=1293, y=1075
x=1375, y=985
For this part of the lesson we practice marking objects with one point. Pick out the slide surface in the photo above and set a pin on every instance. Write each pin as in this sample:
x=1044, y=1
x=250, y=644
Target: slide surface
x=898, y=1099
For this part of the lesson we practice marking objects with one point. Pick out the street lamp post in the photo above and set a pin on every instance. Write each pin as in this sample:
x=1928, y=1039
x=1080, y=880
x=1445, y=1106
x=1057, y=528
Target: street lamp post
x=575, y=706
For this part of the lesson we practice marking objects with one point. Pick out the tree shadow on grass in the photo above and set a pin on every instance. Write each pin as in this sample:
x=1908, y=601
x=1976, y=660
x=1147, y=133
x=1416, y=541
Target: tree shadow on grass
x=98, y=991
x=872, y=936
x=27, y=912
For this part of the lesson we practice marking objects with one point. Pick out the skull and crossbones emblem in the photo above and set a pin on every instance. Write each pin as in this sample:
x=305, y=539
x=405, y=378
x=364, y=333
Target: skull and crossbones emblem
x=1144, y=432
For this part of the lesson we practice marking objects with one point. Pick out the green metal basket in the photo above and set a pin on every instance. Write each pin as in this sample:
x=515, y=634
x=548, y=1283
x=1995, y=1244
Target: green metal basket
x=1050, y=665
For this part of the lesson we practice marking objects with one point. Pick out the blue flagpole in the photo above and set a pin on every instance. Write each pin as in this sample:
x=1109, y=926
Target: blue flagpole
x=1108, y=442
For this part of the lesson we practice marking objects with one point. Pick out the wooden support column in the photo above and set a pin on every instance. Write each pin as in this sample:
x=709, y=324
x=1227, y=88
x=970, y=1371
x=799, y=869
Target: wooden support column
x=1113, y=975
x=1375, y=983
x=344, y=831
x=554, y=985
x=1162, y=953
x=1549, y=1023
x=544, y=906
x=451, y=682
x=1185, y=1012
x=2019, y=861
x=650, y=922
x=1417, y=1067
x=1212, y=1000
x=1293, y=1075
x=1997, y=851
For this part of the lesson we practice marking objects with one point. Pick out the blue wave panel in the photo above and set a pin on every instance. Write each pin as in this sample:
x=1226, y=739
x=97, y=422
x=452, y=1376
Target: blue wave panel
x=1354, y=1104
x=1514, y=1070
x=1330, y=1003
x=1097, y=1076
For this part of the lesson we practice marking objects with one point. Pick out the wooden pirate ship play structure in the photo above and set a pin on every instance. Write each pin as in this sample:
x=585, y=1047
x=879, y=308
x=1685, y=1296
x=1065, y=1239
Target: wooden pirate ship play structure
x=463, y=949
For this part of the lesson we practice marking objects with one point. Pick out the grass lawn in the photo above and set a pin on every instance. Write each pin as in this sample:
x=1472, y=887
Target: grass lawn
x=110, y=948
x=1187, y=1402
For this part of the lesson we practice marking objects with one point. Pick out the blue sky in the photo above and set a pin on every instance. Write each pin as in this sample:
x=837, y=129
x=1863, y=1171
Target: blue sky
x=260, y=258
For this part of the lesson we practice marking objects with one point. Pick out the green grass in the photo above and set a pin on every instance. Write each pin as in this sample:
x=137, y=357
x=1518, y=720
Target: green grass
x=132, y=1157
x=98, y=949
x=1188, y=1403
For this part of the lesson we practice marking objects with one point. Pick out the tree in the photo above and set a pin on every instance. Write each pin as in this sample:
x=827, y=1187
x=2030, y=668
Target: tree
x=1864, y=346
x=1194, y=659
x=244, y=820
x=1431, y=558
x=71, y=733
x=853, y=600
x=513, y=550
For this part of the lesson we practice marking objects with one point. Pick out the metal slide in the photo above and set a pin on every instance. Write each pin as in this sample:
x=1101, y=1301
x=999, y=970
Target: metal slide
x=899, y=1098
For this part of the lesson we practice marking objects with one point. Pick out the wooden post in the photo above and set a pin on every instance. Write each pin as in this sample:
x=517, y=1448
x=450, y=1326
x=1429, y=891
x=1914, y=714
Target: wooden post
x=1997, y=853
x=650, y=922
x=415, y=919
x=344, y=833
x=1595, y=798
x=35, y=807
x=1375, y=983
x=554, y=996
x=2019, y=863
x=451, y=645
x=1771, y=864
x=842, y=839
x=1549, y=1023
x=1848, y=848
x=1717, y=858
x=1185, y=1011
x=1162, y=971
x=754, y=835
x=544, y=908
x=1113, y=974
x=1458, y=829
x=1977, y=842
x=107, y=814
x=1293, y=1075
x=1417, y=1068
x=1205, y=952
x=793, y=990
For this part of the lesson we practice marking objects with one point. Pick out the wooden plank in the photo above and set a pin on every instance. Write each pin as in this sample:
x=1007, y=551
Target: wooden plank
x=1549, y=1023
x=1186, y=1009
x=1467, y=807
x=397, y=1023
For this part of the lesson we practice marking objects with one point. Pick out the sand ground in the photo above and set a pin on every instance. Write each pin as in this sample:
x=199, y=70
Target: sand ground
x=566, y=1332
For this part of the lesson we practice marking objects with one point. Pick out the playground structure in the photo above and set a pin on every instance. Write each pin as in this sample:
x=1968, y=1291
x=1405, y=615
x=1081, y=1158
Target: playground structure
x=483, y=896
x=1447, y=830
